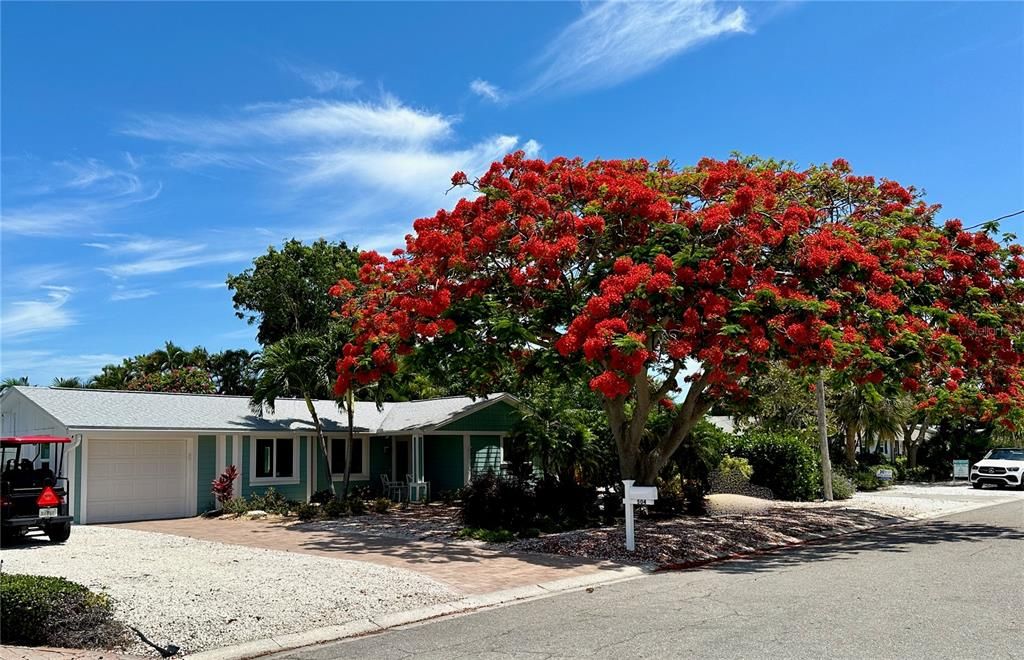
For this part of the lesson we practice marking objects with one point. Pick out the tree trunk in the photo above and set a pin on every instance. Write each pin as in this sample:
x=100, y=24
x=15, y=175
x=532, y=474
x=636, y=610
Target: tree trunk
x=323, y=443
x=350, y=403
x=826, y=462
x=851, y=446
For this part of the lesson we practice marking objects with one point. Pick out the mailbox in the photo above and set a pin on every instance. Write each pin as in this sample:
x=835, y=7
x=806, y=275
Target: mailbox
x=643, y=494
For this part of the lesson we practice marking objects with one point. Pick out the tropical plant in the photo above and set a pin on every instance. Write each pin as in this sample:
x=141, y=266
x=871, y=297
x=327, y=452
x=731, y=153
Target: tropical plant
x=73, y=382
x=13, y=382
x=295, y=365
x=233, y=372
x=630, y=277
x=223, y=486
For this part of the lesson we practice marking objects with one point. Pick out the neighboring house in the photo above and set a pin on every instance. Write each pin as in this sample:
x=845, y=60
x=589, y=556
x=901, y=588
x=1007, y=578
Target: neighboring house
x=143, y=455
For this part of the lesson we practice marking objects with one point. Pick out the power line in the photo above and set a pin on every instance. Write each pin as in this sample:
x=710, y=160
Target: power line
x=1002, y=217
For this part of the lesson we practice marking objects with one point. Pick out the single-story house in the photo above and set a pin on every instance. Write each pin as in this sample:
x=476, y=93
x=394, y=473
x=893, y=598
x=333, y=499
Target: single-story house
x=145, y=455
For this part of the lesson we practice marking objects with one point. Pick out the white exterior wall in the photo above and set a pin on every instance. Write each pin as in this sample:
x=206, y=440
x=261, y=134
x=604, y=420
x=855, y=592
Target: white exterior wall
x=23, y=417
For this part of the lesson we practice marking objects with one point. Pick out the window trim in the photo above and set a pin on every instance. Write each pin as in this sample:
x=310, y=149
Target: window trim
x=274, y=481
x=364, y=472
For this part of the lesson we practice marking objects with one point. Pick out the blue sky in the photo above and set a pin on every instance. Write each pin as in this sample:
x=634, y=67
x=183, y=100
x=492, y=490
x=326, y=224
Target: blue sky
x=150, y=149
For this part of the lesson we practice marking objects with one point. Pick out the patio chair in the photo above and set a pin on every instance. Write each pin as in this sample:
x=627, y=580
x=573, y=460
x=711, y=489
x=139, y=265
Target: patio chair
x=391, y=488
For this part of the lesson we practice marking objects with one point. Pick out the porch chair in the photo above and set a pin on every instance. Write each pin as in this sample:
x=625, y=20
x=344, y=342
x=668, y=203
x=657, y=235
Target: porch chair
x=391, y=488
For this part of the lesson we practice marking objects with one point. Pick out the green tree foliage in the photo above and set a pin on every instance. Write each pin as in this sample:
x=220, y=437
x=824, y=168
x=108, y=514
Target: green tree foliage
x=72, y=382
x=172, y=368
x=13, y=382
x=286, y=290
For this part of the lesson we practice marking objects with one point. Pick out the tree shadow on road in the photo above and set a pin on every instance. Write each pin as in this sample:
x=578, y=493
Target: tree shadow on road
x=897, y=539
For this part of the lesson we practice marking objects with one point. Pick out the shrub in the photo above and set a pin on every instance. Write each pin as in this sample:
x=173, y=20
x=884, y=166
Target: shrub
x=335, y=508
x=918, y=473
x=782, y=462
x=566, y=502
x=51, y=611
x=488, y=535
x=736, y=464
x=223, y=486
x=270, y=501
x=236, y=506
x=308, y=511
x=321, y=497
x=381, y=505
x=843, y=487
x=866, y=480
x=356, y=505
x=493, y=502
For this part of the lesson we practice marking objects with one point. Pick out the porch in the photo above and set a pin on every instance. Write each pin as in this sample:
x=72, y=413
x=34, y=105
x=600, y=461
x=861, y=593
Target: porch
x=436, y=462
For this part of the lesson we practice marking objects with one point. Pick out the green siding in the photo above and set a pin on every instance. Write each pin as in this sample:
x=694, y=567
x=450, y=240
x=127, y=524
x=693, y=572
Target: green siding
x=498, y=416
x=229, y=448
x=206, y=464
x=443, y=458
x=380, y=460
x=321, y=470
x=295, y=492
x=484, y=453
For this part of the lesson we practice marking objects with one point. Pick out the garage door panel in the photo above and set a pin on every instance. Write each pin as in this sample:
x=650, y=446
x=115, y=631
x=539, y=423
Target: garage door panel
x=136, y=480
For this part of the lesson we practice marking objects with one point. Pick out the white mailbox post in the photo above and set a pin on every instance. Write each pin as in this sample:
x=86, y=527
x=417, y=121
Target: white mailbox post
x=635, y=495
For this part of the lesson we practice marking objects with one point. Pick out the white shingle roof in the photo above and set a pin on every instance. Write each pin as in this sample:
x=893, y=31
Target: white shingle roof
x=88, y=408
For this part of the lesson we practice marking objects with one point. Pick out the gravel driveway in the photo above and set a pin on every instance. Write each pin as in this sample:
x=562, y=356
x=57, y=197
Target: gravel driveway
x=201, y=595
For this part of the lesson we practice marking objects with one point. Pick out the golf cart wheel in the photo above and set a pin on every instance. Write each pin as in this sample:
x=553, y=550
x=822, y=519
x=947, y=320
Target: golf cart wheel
x=59, y=533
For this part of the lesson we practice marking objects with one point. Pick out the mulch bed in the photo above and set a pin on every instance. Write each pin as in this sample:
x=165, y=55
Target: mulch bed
x=689, y=539
x=433, y=522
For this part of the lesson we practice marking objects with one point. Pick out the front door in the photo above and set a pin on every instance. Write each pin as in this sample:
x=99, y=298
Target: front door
x=402, y=463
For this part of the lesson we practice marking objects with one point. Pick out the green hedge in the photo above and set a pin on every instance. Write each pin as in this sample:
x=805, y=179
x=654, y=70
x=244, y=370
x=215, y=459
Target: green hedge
x=784, y=462
x=50, y=611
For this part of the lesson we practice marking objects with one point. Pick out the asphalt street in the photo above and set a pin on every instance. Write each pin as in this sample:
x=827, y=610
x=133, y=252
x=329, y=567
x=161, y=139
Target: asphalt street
x=945, y=588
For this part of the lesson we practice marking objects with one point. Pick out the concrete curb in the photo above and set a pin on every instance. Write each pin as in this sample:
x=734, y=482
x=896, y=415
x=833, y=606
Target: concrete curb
x=361, y=627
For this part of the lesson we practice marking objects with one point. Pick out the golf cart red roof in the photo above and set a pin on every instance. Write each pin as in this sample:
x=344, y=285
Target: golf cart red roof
x=15, y=440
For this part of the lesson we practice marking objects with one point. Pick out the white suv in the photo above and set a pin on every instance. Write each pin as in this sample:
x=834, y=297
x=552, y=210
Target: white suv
x=1002, y=467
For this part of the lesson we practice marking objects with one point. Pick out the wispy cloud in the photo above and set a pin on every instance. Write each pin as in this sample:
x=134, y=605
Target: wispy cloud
x=323, y=80
x=301, y=120
x=68, y=196
x=124, y=293
x=32, y=317
x=134, y=256
x=347, y=161
x=42, y=365
x=486, y=90
x=615, y=41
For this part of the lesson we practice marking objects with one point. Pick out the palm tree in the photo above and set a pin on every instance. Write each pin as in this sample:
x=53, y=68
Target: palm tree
x=12, y=382
x=73, y=382
x=297, y=365
x=871, y=418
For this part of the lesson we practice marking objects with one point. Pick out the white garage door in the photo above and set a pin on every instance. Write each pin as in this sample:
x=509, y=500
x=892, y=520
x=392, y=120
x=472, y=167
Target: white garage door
x=136, y=480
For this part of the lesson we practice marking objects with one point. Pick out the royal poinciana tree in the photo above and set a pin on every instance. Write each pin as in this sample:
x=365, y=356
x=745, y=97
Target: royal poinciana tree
x=671, y=287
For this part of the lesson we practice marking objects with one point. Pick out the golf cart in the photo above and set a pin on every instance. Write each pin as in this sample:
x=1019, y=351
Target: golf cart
x=33, y=490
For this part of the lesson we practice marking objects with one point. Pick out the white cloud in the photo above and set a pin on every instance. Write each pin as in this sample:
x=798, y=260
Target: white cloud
x=42, y=366
x=323, y=80
x=28, y=317
x=123, y=293
x=486, y=90
x=299, y=120
x=345, y=164
x=72, y=195
x=615, y=41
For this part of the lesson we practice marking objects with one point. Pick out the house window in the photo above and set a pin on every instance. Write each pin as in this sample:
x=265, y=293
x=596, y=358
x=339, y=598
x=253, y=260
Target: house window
x=336, y=453
x=274, y=460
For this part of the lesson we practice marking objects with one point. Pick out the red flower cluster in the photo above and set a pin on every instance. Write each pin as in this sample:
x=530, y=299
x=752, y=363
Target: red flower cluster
x=638, y=269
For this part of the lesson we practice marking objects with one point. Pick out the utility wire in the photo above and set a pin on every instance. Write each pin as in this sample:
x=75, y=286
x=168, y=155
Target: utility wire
x=1002, y=217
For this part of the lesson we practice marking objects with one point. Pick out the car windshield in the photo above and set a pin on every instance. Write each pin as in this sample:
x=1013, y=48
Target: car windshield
x=1006, y=454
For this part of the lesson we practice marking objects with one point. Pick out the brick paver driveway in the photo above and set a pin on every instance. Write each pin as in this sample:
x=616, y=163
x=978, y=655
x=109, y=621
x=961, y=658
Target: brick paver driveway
x=466, y=567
